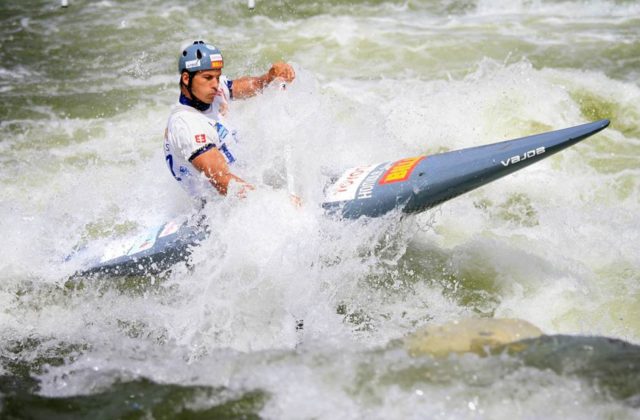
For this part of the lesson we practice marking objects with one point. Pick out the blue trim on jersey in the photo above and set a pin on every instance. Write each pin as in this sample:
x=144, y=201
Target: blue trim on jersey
x=201, y=150
x=230, y=87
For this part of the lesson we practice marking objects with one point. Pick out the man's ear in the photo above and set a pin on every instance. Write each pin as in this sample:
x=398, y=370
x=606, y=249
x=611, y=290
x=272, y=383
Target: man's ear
x=184, y=78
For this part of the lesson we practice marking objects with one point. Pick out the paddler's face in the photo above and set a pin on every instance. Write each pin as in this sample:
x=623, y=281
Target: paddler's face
x=205, y=84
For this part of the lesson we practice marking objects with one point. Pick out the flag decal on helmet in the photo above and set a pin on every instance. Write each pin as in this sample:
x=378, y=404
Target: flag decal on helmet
x=216, y=61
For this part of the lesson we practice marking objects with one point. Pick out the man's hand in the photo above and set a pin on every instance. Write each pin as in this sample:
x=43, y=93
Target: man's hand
x=247, y=86
x=281, y=70
x=295, y=200
x=244, y=188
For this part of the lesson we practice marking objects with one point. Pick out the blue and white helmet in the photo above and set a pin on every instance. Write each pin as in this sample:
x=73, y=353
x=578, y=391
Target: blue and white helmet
x=200, y=56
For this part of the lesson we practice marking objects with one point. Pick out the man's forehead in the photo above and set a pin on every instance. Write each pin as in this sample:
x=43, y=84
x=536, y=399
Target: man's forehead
x=212, y=72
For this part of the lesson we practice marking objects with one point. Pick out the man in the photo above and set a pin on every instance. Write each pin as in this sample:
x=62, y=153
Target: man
x=197, y=144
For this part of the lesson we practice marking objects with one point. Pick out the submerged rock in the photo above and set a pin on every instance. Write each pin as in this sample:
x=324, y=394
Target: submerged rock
x=606, y=363
x=479, y=336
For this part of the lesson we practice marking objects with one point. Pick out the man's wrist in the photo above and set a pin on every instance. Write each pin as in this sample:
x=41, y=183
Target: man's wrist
x=265, y=79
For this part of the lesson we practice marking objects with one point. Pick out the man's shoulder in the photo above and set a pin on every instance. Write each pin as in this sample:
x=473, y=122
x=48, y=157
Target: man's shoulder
x=184, y=114
x=182, y=109
x=185, y=122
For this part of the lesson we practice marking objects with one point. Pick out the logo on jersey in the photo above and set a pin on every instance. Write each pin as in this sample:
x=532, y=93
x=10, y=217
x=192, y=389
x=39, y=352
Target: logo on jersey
x=201, y=138
x=400, y=170
x=227, y=153
x=222, y=132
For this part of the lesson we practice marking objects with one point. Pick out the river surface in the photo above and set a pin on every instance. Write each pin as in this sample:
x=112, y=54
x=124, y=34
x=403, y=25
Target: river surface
x=286, y=313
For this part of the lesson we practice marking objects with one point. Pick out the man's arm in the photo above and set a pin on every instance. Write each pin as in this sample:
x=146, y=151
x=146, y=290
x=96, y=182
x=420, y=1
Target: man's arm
x=247, y=86
x=215, y=168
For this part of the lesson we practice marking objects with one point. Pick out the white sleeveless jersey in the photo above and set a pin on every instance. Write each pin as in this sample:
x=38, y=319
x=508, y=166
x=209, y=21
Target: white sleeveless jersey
x=189, y=134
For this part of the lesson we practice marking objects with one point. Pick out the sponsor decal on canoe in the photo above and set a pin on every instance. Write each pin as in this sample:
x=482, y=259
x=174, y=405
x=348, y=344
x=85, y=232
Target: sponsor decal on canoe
x=139, y=243
x=144, y=242
x=117, y=249
x=400, y=170
x=366, y=188
x=524, y=156
x=172, y=227
x=201, y=138
x=346, y=187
